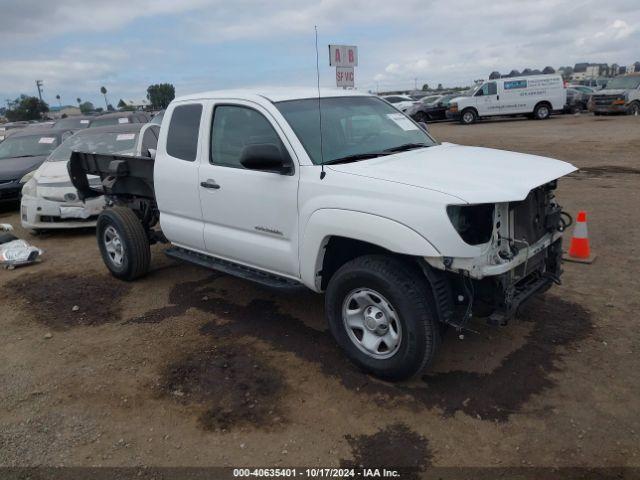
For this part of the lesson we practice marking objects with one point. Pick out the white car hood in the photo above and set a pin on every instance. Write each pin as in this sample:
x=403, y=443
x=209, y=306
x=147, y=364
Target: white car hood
x=472, y=174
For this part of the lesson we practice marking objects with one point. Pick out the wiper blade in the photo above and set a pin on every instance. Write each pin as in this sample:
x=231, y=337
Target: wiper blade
x=406, y=146
x=355, y=158
x=22, y=156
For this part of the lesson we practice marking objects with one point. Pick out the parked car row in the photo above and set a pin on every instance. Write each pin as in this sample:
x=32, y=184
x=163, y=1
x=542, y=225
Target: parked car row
x=535, y=96
x=33, y=164
x=78, y=122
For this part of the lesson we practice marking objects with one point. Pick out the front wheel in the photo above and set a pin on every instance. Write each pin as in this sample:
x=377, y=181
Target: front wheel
x=380, y=312
x=123, y=243
x=421, y=117
x=468, y=116
x=634, y=109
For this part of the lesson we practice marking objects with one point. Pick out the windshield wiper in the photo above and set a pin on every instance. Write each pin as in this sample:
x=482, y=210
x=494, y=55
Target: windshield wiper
x=22, y=156
x=405, y=147
x=355, y=158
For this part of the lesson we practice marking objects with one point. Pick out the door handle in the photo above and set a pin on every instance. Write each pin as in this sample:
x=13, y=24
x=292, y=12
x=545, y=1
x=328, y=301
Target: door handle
x=210, y=184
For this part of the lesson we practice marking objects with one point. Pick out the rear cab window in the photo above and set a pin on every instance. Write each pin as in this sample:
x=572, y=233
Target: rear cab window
x=184, y=130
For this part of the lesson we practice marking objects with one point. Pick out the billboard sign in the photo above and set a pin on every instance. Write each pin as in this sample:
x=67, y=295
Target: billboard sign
x=345, y=77
x=343, y=56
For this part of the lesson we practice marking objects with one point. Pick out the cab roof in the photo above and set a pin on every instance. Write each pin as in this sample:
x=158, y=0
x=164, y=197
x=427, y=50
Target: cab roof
x=274, y=94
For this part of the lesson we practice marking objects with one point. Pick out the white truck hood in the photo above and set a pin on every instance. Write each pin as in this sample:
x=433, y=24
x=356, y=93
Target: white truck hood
x=472, y=174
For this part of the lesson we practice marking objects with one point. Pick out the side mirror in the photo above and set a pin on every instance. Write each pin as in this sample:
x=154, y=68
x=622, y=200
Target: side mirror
x=266, y=157
x=152, y=153
x=424, y=126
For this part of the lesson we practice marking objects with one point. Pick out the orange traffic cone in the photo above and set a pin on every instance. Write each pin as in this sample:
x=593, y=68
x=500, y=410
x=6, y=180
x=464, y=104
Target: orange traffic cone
x=579, y=250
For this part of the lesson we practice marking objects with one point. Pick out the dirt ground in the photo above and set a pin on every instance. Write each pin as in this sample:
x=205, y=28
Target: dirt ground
x=188, y=367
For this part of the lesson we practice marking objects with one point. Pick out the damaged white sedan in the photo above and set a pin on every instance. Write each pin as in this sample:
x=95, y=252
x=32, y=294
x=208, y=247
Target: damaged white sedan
x=49, y=199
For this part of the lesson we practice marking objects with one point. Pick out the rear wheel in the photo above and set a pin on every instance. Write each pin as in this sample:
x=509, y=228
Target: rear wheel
x=468, y=116
x=123, y=243
x=542, y=111
x=381, y=314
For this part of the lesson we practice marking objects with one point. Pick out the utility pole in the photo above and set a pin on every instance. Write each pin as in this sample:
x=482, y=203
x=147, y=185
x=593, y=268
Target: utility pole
x=39, y=85
x=415, y=83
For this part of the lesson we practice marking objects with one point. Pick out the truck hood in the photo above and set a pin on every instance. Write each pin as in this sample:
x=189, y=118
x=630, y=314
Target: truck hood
x=472, y=174
x=605, y=91
x=16, y=168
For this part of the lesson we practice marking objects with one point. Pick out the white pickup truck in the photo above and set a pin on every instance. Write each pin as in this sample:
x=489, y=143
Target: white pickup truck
x=403, y=234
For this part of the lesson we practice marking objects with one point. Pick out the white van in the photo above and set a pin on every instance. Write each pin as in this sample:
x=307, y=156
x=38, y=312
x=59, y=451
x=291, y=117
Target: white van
x=535, y=95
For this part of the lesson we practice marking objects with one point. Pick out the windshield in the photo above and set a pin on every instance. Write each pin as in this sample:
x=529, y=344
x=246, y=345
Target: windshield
x=472, y=91
x=350, y=126
x=109, y=142
x=624, y=83
x=28, y=146
x=430, y=99
x=72, y=123
x=157, y=119
x=106, y=121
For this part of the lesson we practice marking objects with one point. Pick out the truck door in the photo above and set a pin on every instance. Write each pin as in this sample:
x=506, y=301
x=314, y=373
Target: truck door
x=250, y=216
x=175, y=176
x=487, y=99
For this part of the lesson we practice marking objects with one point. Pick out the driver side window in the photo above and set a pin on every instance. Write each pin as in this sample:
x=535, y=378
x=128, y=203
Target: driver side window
x=236, y=127
x=487, y=89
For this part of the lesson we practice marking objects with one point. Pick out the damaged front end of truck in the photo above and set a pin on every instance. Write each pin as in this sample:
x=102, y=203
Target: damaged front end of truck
x=521, y=256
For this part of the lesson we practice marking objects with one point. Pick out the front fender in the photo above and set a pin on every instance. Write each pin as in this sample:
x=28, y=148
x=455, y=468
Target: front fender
x=381, y=231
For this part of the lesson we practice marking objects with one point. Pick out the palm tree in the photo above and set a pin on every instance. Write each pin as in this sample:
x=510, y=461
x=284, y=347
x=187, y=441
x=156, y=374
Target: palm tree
x=103, y=91
x=79, y=100
x=59, y=101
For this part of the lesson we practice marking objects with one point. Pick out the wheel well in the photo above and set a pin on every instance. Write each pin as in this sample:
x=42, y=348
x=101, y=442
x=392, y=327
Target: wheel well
x=543, y=102
x=340, y=250
x=470, y=108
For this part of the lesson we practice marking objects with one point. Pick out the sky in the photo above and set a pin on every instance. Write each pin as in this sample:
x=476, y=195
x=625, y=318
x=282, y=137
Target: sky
x=77, y=46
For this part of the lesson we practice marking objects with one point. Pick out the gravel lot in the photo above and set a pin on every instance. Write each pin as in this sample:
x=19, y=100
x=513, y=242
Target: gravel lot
x=192, y=367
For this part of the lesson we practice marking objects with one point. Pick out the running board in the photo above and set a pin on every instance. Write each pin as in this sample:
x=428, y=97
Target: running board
x=248, y=273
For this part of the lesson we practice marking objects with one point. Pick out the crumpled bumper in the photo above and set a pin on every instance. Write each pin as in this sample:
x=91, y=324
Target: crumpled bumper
x=40, y=213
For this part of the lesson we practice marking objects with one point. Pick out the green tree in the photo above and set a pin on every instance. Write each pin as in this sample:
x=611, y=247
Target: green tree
x=103, y=91
x=86, y=107
x=110, y=108
x=440, y=86
x=425, y=86
x=160, y=95
x=121, y=104
x=79, y=100
x=26, y=108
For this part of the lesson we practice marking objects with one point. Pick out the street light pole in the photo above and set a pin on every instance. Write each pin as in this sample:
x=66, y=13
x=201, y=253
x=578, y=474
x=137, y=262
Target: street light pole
x=39, y=85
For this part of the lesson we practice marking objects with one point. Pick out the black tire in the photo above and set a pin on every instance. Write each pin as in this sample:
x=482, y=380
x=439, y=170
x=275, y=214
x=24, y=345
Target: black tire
x=634, y=109
x=421, y=117
x=409, y=293
x=542, y=111
x=468, y=116
x=132, y=239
